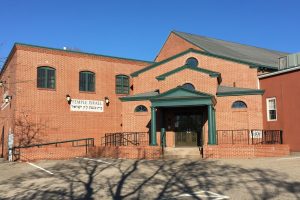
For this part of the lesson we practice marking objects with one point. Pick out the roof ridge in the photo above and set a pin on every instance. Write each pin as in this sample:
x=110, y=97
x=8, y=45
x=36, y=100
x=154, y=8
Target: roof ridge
x=263, y=48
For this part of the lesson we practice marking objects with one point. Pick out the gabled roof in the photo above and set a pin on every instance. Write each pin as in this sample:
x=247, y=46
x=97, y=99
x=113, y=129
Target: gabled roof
x=157, y=64
x=197, y=69
x=235, y=91
x=234, y=50
x=180, y=92
x=177, y=92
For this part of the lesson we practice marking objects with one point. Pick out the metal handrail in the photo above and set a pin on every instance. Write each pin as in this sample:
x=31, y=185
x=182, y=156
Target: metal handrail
x=89, y=142
x=245, y=136
x=122, y=138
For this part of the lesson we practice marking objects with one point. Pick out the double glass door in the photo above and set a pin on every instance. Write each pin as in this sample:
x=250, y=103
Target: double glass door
x=188, y=129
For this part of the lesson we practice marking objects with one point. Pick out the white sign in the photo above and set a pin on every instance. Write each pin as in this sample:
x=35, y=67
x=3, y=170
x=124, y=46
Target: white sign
x=256, y=134
x=86, y=105
x=10, y=145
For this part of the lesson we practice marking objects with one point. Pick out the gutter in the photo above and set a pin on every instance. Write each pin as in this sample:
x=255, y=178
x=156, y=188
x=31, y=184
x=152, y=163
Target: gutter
x=279, y=72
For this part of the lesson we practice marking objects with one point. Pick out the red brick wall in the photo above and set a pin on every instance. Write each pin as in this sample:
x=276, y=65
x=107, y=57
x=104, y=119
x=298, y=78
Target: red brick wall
x=174, y=45
x=51, y=153
x=231, y=73
x=132, y=152
x=9, y=88
x=50, y=106
x=245, y=151
x=286, y=89
x=226, y=117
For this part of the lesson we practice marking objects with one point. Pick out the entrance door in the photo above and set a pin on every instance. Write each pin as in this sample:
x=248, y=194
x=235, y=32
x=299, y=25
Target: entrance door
x=188, y=129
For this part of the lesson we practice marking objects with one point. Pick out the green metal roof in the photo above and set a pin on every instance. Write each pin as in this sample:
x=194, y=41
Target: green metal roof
x=233, y=50
x=235, y=91
x=197, y=69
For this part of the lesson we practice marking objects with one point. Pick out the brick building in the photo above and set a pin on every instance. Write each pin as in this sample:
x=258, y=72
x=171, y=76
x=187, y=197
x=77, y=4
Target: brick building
x=196, y=89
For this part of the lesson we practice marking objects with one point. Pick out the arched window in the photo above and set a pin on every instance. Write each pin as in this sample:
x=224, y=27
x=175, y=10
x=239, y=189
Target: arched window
x=239, y=104
x=46, y=77
x=140, y=108
x=122, y=84
x=188, y=86
x=192, y=62
x=87, y=81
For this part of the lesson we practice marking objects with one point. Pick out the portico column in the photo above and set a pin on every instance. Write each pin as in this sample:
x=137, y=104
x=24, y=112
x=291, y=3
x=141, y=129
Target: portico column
x=153, y=141
x=211, y=131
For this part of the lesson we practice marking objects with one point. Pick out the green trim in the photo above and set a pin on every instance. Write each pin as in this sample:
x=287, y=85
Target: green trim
x=197, y=69
x=182, y=102
x=181, y=97
x=124, y=99
x=153, y=141
x=79, y=52
x=241, y=93
x=167, y=93
x=135, y=74
x=255, y=65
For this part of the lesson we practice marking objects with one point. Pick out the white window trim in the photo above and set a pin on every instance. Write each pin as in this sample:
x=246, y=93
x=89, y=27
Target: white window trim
x=268, y=113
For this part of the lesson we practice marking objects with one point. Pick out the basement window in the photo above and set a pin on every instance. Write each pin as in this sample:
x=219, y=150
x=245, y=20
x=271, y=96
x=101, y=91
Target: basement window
x=87, y=81
x=46, y=77
x=271, y=109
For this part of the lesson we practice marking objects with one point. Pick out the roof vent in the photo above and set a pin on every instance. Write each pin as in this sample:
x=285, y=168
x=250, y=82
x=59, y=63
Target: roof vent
x=291, y=60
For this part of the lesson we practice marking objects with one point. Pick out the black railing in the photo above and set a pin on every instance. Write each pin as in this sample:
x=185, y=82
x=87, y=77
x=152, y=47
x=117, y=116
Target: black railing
x=249, y=136
x=125, y=139
x=87, y=142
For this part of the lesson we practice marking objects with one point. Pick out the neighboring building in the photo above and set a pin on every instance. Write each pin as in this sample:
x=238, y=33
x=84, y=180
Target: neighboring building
x=195, y=87
x=281, y=102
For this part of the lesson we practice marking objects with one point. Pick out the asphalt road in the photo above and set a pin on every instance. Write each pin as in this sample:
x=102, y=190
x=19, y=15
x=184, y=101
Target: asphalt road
x=268, y=178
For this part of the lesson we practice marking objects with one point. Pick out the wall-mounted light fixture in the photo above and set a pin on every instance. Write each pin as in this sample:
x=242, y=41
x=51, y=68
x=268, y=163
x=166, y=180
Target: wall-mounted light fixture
x=68, y=98
x=106, y=101
x=7, y=99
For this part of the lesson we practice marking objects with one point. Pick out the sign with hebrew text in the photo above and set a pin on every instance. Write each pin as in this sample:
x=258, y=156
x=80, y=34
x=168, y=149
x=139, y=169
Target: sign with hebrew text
x=86, y=105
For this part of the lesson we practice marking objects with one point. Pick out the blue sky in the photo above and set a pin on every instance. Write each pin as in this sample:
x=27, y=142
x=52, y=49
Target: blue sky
x=137, y=29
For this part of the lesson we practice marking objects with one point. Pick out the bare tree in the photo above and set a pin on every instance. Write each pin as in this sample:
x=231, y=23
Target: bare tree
x=27, y=132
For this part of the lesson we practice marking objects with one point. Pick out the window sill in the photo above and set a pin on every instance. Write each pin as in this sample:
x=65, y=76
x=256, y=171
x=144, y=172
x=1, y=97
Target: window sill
x=239, y=109
x=121, y=95
x=141, y=113
x=87, y=92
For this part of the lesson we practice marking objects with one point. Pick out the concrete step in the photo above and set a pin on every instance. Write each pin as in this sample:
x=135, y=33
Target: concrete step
x=182, y=152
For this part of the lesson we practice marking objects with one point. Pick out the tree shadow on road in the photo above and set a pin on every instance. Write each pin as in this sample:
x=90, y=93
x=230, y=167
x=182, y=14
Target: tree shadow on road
x=142, y=179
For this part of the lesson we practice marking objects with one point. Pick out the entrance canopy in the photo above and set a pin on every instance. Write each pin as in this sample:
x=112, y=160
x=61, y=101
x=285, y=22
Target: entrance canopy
x=180, y=96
